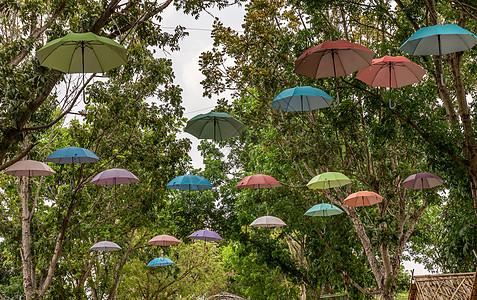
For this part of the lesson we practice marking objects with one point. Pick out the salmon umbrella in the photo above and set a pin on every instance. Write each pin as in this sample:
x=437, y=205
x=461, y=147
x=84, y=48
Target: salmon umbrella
x=363, y=198
x=267, y=221
x=164, y=240
x=392, y=72
x=30, y=168
x=258, y=181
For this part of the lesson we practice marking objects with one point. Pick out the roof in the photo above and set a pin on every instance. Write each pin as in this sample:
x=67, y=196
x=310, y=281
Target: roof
x=459, y=286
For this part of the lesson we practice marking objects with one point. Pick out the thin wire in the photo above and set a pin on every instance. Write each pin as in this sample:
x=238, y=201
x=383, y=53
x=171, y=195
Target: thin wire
x=194, y=111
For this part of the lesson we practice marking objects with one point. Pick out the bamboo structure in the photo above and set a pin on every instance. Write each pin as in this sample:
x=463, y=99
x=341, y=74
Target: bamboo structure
x=459, y=286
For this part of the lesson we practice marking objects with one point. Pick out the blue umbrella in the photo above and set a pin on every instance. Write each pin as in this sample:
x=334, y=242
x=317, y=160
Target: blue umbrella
x=302, y=98
x=439, y=40
x=323, y=210
x=189, y=182
x=72, y=155
x=160, y=262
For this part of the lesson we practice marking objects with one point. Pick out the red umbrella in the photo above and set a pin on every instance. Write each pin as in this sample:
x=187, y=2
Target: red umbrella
x=164, y=240
x=258, y=181
x=363, y=198
x=391, y=71
x=422, y=181
x=333, y=58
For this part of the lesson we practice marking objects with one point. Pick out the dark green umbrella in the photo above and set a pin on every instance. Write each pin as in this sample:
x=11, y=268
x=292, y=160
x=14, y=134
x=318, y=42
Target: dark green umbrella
x=214, y=125
x=82, y=53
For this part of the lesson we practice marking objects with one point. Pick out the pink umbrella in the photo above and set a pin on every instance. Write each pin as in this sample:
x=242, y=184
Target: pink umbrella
x=363, y=198
x=422, y=181
x=391, y=71
x=258, y=181
x=332, y=59
x=114, y=177
x=30, y=168
x=164, y=240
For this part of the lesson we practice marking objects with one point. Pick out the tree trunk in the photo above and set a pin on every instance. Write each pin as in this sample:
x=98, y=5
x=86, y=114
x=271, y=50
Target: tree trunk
x=29, y=279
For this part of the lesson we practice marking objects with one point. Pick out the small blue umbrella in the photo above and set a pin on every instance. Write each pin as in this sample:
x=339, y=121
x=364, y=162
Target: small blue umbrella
x=302, y=98
x=439, y=40
x=72, y=155
x=160, y=262
x=323, y=210
x=190, y=182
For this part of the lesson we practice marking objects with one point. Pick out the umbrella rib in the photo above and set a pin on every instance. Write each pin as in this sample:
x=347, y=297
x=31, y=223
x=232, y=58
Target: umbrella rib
x=99, y=61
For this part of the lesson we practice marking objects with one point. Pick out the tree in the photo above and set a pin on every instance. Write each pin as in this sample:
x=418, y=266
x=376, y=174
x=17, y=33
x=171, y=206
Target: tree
x=375, y=142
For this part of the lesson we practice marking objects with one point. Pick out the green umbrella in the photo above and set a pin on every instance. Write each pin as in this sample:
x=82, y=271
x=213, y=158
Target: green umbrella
x=214, y=125
x=328, y=180
x=82, y=53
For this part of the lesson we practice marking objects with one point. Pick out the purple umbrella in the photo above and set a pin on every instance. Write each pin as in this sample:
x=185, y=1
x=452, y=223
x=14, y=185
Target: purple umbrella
x=206, y=235
x=422, y=181
x=114, y=177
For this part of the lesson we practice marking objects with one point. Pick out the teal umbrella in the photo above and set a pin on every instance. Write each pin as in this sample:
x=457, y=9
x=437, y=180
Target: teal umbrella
x=160, y=262
x=301, y=98
x=323, y=210
x=214, y=125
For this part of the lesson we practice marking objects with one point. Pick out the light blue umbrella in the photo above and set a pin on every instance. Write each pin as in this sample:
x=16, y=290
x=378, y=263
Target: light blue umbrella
x=160, y=262
x=301, y=98
x=323, y=210
x=190, y=182
x=439, y=40
x=72, y=155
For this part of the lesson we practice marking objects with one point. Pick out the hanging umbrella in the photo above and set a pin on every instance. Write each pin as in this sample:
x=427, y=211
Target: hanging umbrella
x=72, y=155
x=189, y=182
x=301, y=98
x=439, y=40
x=114, y=177
x=105, y=246
x=323, y=210
x=422, y=181
x=82, y=53
x=328, y=180
x=267, y=221
x=391, y=71
x=164, y=240
x=214, y=125
x=206, y=235
x=332, y=59
x=363, y=198
x=258, y=181
x=30, y=168
x=160, y=262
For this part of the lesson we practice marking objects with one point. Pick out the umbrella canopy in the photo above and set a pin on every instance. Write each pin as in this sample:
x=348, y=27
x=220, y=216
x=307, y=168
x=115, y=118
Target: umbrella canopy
x=114, y=177
x=105, y=246
x=422, y=181
x=72, y=155
x=363, y=198
x=332, y=59
x=301, y=98
x=214, y=125
x=164, y=240
x=29, y=168
x=190, y=182
x=439, y=40
x=391, y=71
x=328, y=180
x=267, y=221
x=258, y=181
x=160, y=262
x=82, y=53
x=206, y=235
x=323, y=210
